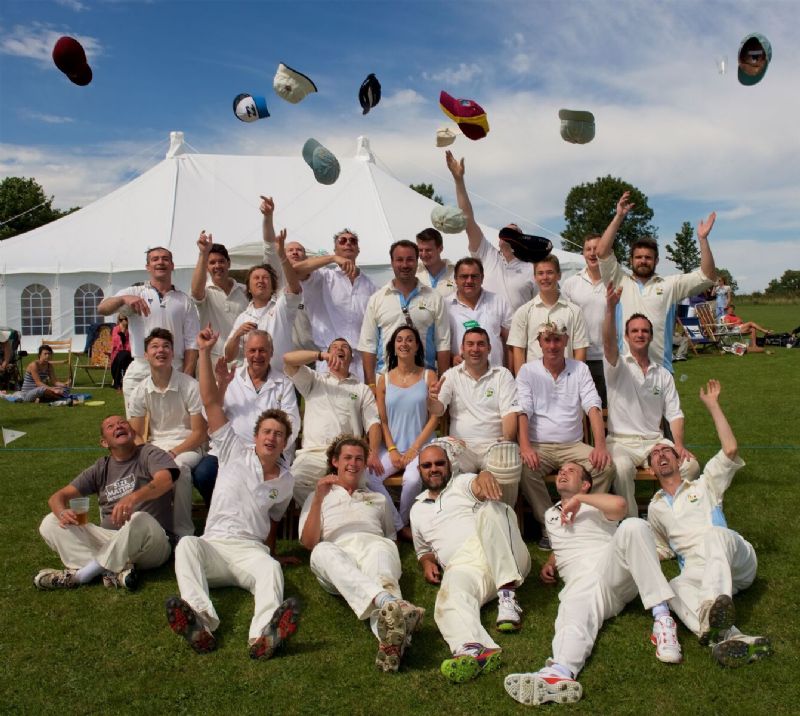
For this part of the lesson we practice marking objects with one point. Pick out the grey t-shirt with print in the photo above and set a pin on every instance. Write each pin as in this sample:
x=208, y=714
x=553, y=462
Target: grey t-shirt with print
x=111, y=480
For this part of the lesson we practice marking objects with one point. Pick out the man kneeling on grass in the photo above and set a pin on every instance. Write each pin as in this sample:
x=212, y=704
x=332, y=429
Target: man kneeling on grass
x=349, y=531
x=251, y=494
x=133, y=484
x=603, y=567
x=462, y=525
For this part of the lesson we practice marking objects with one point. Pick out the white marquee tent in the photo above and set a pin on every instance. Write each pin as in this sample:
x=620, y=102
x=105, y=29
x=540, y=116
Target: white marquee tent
x=101, y=248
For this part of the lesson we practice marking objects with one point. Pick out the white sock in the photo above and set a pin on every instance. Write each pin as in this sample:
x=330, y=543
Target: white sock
x=507, y=593
x=561, y=670
x=660, y=610
x=89, y=572
x=382, y=597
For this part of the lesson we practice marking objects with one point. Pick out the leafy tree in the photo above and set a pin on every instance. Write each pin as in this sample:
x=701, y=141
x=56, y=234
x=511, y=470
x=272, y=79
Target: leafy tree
x=24, y=206
x=589, y=208
x=729, y=279
x=684, y=254
x=427, y=190
x=788, y=283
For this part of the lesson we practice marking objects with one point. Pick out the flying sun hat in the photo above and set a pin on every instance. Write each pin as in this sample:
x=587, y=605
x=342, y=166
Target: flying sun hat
x=467, y=114
x=448, y=219
x=70, y=58
x=249, y=108
x=445, y=137
x=576, y=127
x=322, y=161
x=755, y=54
x=369, y=94
x=526, y=247
x=292, y=85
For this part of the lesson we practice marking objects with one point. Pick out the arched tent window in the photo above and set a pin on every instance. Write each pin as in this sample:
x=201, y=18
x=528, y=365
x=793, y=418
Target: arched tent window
x=36, y=310
x=87, y=298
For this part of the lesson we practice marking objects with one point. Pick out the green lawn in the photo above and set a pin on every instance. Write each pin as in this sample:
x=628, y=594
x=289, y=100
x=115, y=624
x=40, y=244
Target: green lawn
x=92, y=650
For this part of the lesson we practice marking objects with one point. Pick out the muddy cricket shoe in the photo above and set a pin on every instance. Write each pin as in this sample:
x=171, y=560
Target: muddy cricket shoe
x=397, y=621
x=715, y=619
x=282, y=625
x=55, y=579
x=740, y=650
x=542, y=686
x=469, y=661
x=183, y=621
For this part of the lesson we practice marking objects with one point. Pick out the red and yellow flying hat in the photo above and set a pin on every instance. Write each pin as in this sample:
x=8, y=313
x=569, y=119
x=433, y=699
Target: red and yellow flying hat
x=467, y=114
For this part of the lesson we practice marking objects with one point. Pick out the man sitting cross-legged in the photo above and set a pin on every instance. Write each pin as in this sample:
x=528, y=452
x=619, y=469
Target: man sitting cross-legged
x=715, y=561
x=238, y=546
x=350, y=533
x=133, y=484
x=603, y=567
x=461, y=525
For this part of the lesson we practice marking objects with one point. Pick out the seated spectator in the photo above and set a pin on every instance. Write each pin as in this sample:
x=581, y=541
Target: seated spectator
x=253, y=388
x=7, y=368
x=402, y=399
x=120, y=351
x=133, y=484
x=680, y=343
x=166, y=411
x=744, y=327
x=40, y=384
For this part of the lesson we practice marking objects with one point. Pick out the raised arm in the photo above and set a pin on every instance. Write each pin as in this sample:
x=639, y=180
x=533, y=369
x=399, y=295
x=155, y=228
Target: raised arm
x=308, y=265
x=210, y=393
x=267, y=208
x=707, y=265
x=605, y=246
x=456, y=167
x=710, y=397
x=200, y=273
x=133, y=303
x=610, y=344
x=292, y=281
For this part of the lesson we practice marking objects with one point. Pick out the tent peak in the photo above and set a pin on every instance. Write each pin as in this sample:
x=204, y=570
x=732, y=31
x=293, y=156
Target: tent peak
x=363, y=152
x=176, y=145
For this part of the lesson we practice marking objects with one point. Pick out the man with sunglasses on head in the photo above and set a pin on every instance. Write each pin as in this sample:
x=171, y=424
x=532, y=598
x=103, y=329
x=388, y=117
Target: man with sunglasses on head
x=405, y=300
x=715, y=561
x=468, y=541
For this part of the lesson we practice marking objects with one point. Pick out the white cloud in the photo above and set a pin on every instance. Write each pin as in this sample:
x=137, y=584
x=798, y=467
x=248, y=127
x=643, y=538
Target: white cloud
x=36, y=41
x=46, y=118
x=403, y=98
x=75, y=5
x=455, y=76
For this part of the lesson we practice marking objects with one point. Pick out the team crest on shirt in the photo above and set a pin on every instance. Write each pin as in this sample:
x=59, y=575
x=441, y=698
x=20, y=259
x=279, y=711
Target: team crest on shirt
x=659, y=291
x=353, y=396
x=656, y=391
x=692, y=496
x=489, y=393
x=273, y=494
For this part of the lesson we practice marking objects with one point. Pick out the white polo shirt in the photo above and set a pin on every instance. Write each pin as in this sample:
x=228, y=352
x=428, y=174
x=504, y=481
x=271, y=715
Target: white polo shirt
x=444, y=283
x=335, y=306
x=477, y=407
x=276, y=318
x=170, y=410
x=244, y=502
x=578, y=546
x=591, y=299
x=637, y=401
x=174, y=310
x=656, y=299
x=683, y=519
x=491, y=312
x=512, y=279
x=243, y=404
x=384, y=313
x=220, y=309
x=555, y=407
x=343, y=514
x=442, y=525
x=527, y=319
x=333, y=406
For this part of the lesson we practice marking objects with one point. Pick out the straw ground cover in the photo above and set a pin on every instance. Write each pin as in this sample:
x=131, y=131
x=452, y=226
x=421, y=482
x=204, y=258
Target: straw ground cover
x=93, y=650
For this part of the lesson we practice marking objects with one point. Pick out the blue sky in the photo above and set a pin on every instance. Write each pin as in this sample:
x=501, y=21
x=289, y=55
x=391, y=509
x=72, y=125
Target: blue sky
x=668, y=121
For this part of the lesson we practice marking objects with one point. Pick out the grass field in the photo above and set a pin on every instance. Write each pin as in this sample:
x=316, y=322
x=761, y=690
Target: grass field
x=95, y=651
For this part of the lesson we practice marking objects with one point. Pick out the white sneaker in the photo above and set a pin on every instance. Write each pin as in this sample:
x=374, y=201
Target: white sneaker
x=665, y=638
x=542, y=686
x=509, y=612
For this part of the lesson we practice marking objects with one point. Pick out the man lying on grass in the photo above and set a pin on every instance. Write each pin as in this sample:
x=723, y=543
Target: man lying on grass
x=715, y=561
x=350, y=533
x=134, y=487
x=237, y=549
x=603, y=566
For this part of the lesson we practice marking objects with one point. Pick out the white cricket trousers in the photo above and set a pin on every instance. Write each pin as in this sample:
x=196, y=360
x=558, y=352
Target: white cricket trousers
x=494, y=556
x=726, y=564
x=140, y=540
x=358, y=567
x=628, y=564
x=202, y=562
x=628, y=453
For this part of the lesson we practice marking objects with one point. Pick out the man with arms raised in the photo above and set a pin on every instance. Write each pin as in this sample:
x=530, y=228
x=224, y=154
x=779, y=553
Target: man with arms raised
x=604, y=566
x=640, y=395
x=715, y=561
x=432, y=269
x=133, y=484
x=461, y=526
x=155, y=304
x=350, y=534
x=644, y=291
x=238, y=545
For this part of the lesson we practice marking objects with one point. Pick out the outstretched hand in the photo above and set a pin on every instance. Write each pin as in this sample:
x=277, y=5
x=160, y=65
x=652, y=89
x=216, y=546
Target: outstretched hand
x=267, y=206
x=710, y=393
x=435, y=389
x=207, y=338
x=222, y=373
x=612, y=295
x=205, y=242
x=624, y=205
x=704, y=227
x=455, y=166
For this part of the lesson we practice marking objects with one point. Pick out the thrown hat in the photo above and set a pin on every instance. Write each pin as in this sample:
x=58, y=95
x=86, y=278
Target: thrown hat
x=576, y=127
x=370, y=93
x=445, y=137
x=755, y=54
x=525, y=246
x=467, y=114
x=249, y=108
x=550, y=327
x=322, y=162
x=291, y=84
x=448, y=219
x=70, y=58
